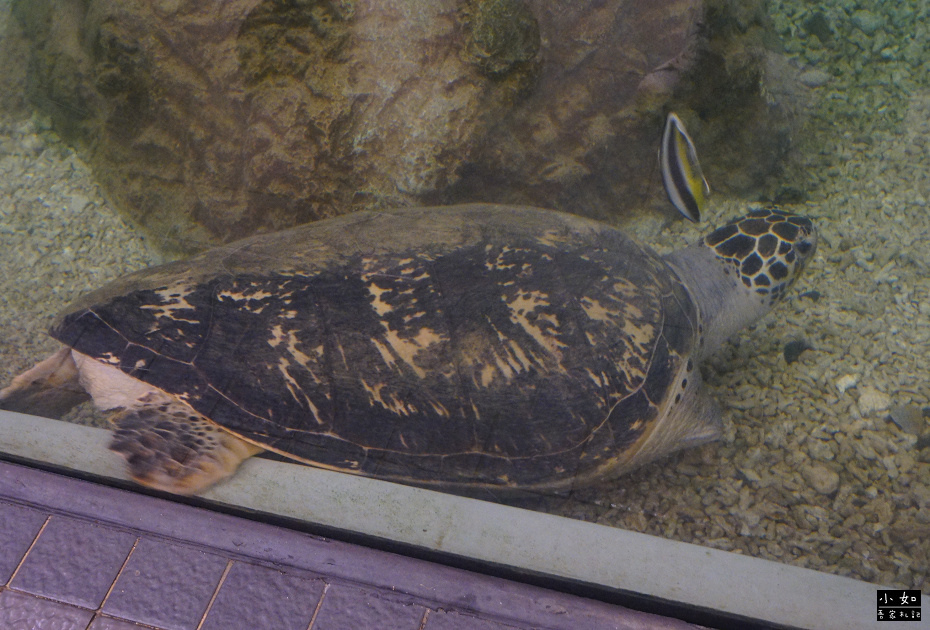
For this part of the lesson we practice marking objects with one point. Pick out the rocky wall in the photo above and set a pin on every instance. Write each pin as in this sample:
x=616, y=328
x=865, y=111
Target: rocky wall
x=208, y=121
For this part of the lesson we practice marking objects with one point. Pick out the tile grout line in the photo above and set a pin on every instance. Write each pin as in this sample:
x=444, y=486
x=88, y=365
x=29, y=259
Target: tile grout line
x=216, y=592
x=116, y=579
x=424, y=619
x=319, y=605
x=31, y=545
x=141, y=624
x=47, y=598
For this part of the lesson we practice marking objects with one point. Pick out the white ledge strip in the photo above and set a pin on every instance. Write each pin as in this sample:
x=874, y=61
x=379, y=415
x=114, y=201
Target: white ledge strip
x=541, y=543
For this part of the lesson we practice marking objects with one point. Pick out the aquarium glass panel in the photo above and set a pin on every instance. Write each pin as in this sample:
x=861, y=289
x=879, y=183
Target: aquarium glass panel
x=659, y=266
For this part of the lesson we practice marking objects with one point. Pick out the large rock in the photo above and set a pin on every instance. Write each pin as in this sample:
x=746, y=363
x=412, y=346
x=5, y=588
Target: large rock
x=207, y=121
x=13, y=66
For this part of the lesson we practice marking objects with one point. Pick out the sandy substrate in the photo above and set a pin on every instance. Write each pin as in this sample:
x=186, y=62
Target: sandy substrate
x=58, y=239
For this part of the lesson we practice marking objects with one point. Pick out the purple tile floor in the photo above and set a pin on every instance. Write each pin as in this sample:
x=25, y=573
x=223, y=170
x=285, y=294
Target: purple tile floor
x=76, y=555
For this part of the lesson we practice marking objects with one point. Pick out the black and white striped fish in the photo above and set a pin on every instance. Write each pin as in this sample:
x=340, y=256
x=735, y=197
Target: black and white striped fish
x=684, y=182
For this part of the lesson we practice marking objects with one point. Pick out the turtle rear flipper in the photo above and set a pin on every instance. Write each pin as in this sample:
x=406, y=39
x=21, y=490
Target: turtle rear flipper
x=170, y=447
x=50, y=388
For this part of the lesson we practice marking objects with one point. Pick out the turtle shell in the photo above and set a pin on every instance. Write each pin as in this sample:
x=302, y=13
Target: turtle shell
x=476, y=345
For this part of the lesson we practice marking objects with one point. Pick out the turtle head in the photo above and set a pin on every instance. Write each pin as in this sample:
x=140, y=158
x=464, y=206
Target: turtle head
x=766, y=250
x=738, y=272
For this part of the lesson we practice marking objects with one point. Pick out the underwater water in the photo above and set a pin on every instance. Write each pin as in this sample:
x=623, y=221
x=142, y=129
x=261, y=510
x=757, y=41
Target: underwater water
x=824, y=461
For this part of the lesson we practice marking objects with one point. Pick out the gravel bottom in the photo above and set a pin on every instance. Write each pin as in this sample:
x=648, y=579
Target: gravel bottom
x=810, y=471
x=59, y=238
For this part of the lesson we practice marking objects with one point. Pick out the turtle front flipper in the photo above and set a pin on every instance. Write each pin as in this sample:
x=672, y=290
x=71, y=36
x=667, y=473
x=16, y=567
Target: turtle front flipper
x=170, y=447
x=50, y=388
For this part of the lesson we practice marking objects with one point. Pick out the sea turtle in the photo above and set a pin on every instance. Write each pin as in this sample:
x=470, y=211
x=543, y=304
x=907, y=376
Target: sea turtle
x=464, y=347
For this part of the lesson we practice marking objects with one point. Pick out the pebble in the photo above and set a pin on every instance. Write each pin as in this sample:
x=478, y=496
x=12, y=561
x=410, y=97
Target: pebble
x=814, y=78
x=750, y=475
x=921, y=494
x=908, y=418
x=867, y=21
x=871, y=400
x=793, y=349
x=32, y=143
x=77, y=202
x=846, y=381
x=820, y=450
x=821, y=479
